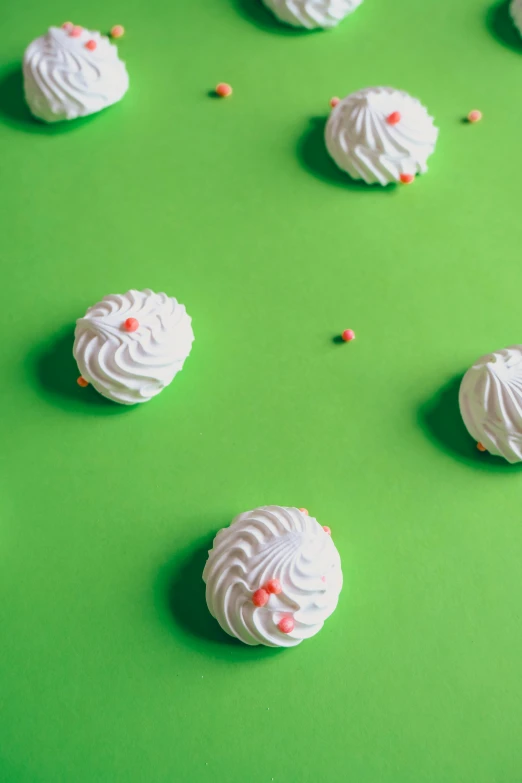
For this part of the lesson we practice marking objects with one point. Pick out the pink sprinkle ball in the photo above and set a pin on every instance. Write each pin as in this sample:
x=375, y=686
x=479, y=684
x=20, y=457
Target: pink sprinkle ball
x=406, y=179
x=304, y=511
x=91, y=45
x=76, y=31
x=327, y=530
x=474, y=116
x=223, y=90
x=274, y=586
x=348, y=335
x=67, y=26
x=260, y=597
x=117, y=31
x=334, y=101
x=131, y=325
x=394, y=118
x=286, y=625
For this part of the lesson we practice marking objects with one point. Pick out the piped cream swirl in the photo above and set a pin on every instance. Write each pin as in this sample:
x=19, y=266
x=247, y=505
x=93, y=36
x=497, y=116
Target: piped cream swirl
x=363, y=142
x=130, y=367
x=312, y=13
x=273, y=542
x=516, y=13
x=63, y=79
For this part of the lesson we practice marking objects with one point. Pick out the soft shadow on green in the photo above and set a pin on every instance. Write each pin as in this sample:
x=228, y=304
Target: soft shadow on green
x=440, y=419
x=15, y=112
x=501, y=25
x=54, y=372
x=180, y=595
x=314, y=157
x=259, y=15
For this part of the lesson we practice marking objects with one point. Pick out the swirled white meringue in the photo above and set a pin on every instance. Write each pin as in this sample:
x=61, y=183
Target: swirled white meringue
x=312, y=13
x=490, y=400
x=63, y=79
x=516, y=13
x=130, y=367
x=273, y=542
x=363, y=143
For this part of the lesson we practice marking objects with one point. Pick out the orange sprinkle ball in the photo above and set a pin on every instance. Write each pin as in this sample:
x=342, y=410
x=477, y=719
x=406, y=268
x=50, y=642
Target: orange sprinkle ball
x=260, y=597
x=327, y=530
x=273, y=586
x=91, y=45
x=393, y=118
x=67, y=26
x=117, y=31
x=406, y=179
x=480, y=447
x=76, y=31
x=475, y=116
x=304, y=511
x=286, y=625
x=348, y=335
x=131, y=325
x=82, y=382
x=334, y=101
x=223, y=90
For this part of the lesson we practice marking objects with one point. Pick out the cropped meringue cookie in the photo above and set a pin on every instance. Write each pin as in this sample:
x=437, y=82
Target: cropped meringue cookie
x=515, y=10
x=130, y=346
x=312, y=14
x=490, y=400
x=65, y=79
x=273, y=577
x=379, y=134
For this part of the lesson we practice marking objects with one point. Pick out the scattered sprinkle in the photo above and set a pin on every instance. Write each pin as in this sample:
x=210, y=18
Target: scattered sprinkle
x=67, y=26
x=406, y=179
x=303, y=511
x=117, y=31
x=327, y=530
x=91, y=45
x=394, y=118
x=223, y=90
x=131, y=324
x=273, y=586
x=348, y=335
x=260, y=597
x=323, y=579
x=334, y=101
x=76, y=31
x=286, y=625
x=475, y=116
x=82, y=382
x=480, y=447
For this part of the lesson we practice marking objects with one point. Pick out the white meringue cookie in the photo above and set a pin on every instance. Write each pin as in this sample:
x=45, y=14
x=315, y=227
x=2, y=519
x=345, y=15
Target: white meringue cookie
x=516, y=13
x=490, y=400
x=132, y=366
x=312, y=13
x=63, y=79
x=273, y=542
x=363, y=142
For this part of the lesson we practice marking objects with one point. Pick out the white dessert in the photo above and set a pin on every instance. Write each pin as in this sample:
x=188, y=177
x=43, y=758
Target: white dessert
x=312, y=13
x=130, y=346
x=380, y=134
x=273, y=543
x=490, y=400
x=65, y=79
x=516, y=13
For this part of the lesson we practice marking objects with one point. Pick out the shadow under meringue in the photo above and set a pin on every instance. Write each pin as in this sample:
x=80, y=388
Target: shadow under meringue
x=314, y=157
x=440, y=420
x=180, y=591
x=51, y=364
x=502, y=27
x=260, y=16
x=15, y=112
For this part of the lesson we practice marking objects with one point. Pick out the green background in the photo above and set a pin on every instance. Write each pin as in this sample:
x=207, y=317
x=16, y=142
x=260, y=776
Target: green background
x=111, y=668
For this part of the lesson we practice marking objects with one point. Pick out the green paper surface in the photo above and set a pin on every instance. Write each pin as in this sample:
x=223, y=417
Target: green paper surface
x=111, y=668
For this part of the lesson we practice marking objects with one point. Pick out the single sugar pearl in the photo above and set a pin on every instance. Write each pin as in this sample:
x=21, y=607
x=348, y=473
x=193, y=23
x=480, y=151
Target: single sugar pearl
x=304, y=511
x=480, y=447
x=348, y=335
x=117, y=31
x=334, y=101
x=82, y=382
x=67, y=26
x=76, y=31
x=91, y=45
x=475, y=116
x=273, y=586
x=223, y=90
x=323, y=579
x=327, y=530
x=131, y=325
x=406, y=179
x=393, y=118
x=260, y=597
x=286, y=625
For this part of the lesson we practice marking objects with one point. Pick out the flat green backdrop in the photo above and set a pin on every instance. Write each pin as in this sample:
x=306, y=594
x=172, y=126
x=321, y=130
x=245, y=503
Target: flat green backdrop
x=111, y=668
